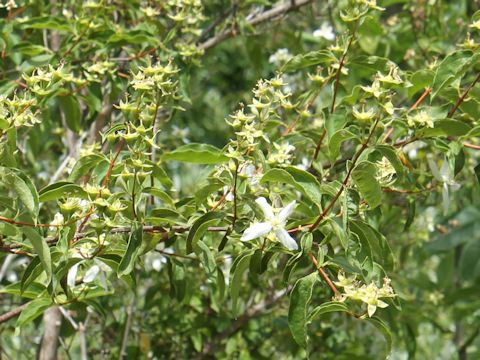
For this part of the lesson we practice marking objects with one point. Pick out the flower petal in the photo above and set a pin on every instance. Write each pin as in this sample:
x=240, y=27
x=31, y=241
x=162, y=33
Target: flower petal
x=371, y=310
x=286, y=240
x=72, y=275
x=256, y=230
x=91, y=274
x=286, y=212
x=266, y=208
x=434, y=168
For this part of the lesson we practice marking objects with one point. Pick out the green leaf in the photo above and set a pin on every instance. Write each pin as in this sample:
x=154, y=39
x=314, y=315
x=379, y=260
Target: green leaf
x=41, y=248
x=445, y=127
x=470, y=260
x=71, y=109
x=23, y=186
x=206, y=258
x=200, y=226
x=364, y=177
x=336, y=141
x=84, y=164
x=297, y=311
x=237, y=280
x=309, y=59
x=197, y=153
x=60, y=189
x=376, y=240
x=453, y=67
x=32, y=292
x=328, y=307
x=33, y=310
x=301, y=180
x=127, y=263
x=380, y=325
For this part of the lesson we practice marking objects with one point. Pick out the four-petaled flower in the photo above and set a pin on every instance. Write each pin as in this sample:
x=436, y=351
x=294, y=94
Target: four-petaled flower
x=273, y=223
x=445, y=176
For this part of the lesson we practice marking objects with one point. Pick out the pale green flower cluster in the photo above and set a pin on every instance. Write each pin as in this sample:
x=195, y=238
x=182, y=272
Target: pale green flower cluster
x=420, y=119
x=17, y=112
x=188, y=17
x=368, y=294
x=269, y=103
x=385, y=171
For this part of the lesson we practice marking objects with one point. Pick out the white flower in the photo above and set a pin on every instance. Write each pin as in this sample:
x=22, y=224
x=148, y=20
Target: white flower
x=274, y=222
x=280, y=57
x=325, y=31
x=445, y=176
x=58, y=220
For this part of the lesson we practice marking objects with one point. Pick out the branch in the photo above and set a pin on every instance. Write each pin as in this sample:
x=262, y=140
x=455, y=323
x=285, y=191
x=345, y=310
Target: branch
x=460, y=100
x=52, y=319
x=253, y=312
x=345, y=180
x=265, y=16
x=13, y=313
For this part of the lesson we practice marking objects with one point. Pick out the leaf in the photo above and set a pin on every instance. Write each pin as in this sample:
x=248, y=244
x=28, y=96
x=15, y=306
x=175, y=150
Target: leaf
x=200, y=226
x=377, y=241
x=71, y=109
x=23, y=186
x=41, y=248
x=206, y=258
x=328, y=307
x=470, y=260
x=33, y=310
x=237, y=280
x=453, y=67
x=309, y=59
x=197, y=153
x=32, y=292
x=60, y=189
x=301, y=180
x=380, y=325
x=445, y=127
x=127, y=263
x=336, y=141
x=364, y=177
x=83, y=165
x=297, y=311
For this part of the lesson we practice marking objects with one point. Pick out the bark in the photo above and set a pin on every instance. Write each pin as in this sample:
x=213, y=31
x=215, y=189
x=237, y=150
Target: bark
x=52, y=320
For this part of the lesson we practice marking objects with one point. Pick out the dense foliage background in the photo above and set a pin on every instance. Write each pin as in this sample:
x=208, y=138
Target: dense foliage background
x=239, y=179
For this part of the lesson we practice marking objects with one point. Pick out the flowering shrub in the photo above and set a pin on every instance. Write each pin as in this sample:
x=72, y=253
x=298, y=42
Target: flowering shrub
x=155, y=206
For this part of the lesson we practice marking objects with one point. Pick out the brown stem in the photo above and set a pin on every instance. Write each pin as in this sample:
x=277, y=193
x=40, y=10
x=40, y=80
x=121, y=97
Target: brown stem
x=52, y=320
x=460, y=100
x=265, y=16
x=345, y=180
x=13, y=313
x=340, y=66
x=323, y=273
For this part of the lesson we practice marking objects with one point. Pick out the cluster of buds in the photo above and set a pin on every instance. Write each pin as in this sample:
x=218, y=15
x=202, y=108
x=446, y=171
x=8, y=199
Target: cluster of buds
x=188, y=14
x=385, y=171
x=368, y=294
x=16, y=112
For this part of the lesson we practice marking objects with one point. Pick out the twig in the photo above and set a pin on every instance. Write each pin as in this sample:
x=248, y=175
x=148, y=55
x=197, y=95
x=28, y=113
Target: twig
x=322, y=272
x=128, y=325
x=254, y=311
x=460, y=100
x=13, y=313
x=340, y=66
x=345, y=180
x=267, y=15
